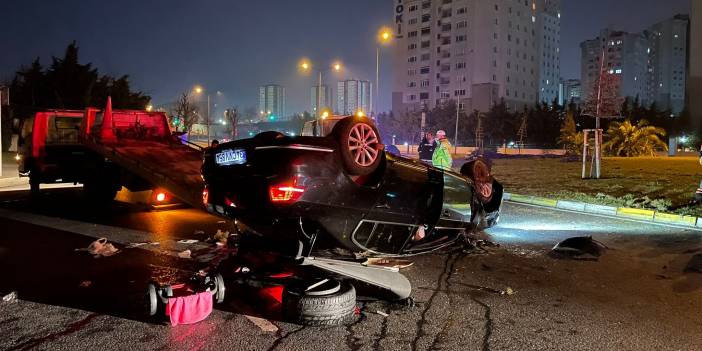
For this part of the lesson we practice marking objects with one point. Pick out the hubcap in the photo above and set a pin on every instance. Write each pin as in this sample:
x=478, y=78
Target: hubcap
x=363, y=144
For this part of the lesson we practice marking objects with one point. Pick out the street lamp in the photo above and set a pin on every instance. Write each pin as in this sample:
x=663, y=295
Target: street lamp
x=306, y=66
x=198, y=89
x=384, y=37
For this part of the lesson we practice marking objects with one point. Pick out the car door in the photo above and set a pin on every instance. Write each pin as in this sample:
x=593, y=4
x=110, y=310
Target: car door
x=404, y=197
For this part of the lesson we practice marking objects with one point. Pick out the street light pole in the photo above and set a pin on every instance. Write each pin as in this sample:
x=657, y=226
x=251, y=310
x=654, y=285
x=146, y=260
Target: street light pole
x=455, y=136
x=374, y=107
x=208, y=119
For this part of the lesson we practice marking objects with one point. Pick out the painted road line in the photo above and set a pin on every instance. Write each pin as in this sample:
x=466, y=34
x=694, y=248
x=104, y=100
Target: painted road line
x=674, y=218
x=540, y=201
x=637, y=213
x=601, y=209
x=571, y=205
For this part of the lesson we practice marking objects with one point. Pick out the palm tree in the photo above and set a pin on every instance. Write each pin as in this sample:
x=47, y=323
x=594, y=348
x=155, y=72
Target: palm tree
x=626, y=139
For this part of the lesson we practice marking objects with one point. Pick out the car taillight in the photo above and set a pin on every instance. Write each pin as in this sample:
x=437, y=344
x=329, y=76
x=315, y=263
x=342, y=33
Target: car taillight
x=286, y=192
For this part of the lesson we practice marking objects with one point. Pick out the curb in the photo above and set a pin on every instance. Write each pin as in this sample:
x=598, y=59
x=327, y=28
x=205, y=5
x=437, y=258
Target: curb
x=622, y=212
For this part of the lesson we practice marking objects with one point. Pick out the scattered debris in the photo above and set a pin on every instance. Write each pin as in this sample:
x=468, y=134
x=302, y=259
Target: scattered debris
x=579, y=248
x=221, y=237
x=135, y=245
x=695, y=264
x=388, y=262
x=100, y=247
x=382, y=313
x=187, y=241
x=85, y=284
x=185, y=254
x=11, y=297
x=507, y=291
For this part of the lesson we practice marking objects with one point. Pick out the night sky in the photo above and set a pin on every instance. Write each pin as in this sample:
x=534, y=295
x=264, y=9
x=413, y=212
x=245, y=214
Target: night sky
x=167, y=46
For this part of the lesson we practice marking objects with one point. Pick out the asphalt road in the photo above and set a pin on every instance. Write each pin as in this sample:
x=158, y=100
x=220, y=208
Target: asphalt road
x=636, y=297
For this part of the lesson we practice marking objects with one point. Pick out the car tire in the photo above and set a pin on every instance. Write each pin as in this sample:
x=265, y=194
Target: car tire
x=359, y=145
x=478, y=170
x=219, y=283
x=337, y=308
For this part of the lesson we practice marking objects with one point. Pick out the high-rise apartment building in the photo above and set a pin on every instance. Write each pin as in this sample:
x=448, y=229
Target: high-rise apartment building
x=271, y=101
x=667, y=71
x=624, y=54
x=353, y=96
x=695, y=68
x=549, y=24
x=571, y=92
x=324, y=98
x=475, y=52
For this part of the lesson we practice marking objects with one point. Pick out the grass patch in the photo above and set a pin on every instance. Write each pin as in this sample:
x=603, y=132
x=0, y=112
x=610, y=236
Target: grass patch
x=658, y=183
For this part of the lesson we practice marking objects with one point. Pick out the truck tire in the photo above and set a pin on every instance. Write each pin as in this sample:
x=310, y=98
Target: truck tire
x=33, y=186
x=359, y=145
x=326, y=309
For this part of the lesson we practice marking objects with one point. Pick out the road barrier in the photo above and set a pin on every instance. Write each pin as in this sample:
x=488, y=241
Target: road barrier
x=623, y=212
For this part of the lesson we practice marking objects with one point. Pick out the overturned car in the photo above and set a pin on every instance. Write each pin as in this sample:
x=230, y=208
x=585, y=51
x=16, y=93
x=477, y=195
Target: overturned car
x=335, y=189
x=343, y=190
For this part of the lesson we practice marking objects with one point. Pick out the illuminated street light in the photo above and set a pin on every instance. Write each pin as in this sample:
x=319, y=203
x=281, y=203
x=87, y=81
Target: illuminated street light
x=198, y=89
x=149, y=108
x=385, y=36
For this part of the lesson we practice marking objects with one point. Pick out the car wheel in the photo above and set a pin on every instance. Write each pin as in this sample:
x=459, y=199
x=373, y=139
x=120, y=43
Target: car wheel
x=359, y=145
x=331, y=303
x=479, y=172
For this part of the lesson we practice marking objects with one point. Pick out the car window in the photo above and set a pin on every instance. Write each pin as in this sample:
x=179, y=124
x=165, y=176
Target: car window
x=457, y=193
x=63, y=130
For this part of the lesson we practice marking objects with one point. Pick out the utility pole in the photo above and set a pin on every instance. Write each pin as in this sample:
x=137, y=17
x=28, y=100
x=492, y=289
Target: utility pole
x=522, y=133
x=479, y=133
x=455, y=136
x=7, y=96
x=208, y=119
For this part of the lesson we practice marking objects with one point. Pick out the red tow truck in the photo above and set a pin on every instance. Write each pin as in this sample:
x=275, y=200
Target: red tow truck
x=107, y=150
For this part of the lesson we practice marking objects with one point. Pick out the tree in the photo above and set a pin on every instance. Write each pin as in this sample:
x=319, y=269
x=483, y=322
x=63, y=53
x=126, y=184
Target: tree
x=603, y=98
x=570, y=138
x=231, y=115
x=68, y=84
x=629, y=140
x=184, y=113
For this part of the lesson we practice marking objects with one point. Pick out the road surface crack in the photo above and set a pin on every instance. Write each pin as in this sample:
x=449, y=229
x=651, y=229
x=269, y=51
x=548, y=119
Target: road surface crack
x=449, y=293
x=488, y=323
x=280, y=338
x=448, y=263
x=70, y=329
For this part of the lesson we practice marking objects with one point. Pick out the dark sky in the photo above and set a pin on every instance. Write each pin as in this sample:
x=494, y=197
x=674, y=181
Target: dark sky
x=167, y=46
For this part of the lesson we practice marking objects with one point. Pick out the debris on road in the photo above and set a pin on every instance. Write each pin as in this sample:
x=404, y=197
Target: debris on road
x=85, y=284
x=388, y=262
x=507, y=291
x=221, y=237
x=382, y=313
x=695, y=264
x=9, y=298
x=187, y=241
x=185, y=254
x=135, y=245
x=579, y=248
x=100, y=247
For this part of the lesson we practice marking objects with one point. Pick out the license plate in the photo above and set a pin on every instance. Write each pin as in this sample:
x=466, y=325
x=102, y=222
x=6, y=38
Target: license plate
x=231, y=157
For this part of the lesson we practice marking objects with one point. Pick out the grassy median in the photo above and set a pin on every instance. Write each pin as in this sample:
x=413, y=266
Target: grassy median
x=661, y=183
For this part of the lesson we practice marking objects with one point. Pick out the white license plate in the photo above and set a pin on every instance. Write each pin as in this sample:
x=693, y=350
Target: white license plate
x=231, y=157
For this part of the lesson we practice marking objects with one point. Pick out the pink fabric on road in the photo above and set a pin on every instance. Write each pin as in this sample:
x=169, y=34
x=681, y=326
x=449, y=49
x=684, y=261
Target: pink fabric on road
x=189, y=309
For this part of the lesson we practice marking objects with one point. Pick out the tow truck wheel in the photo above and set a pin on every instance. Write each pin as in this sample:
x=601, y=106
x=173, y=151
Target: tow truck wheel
x=33, y=186
x=359, y=145
x=329, y=303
